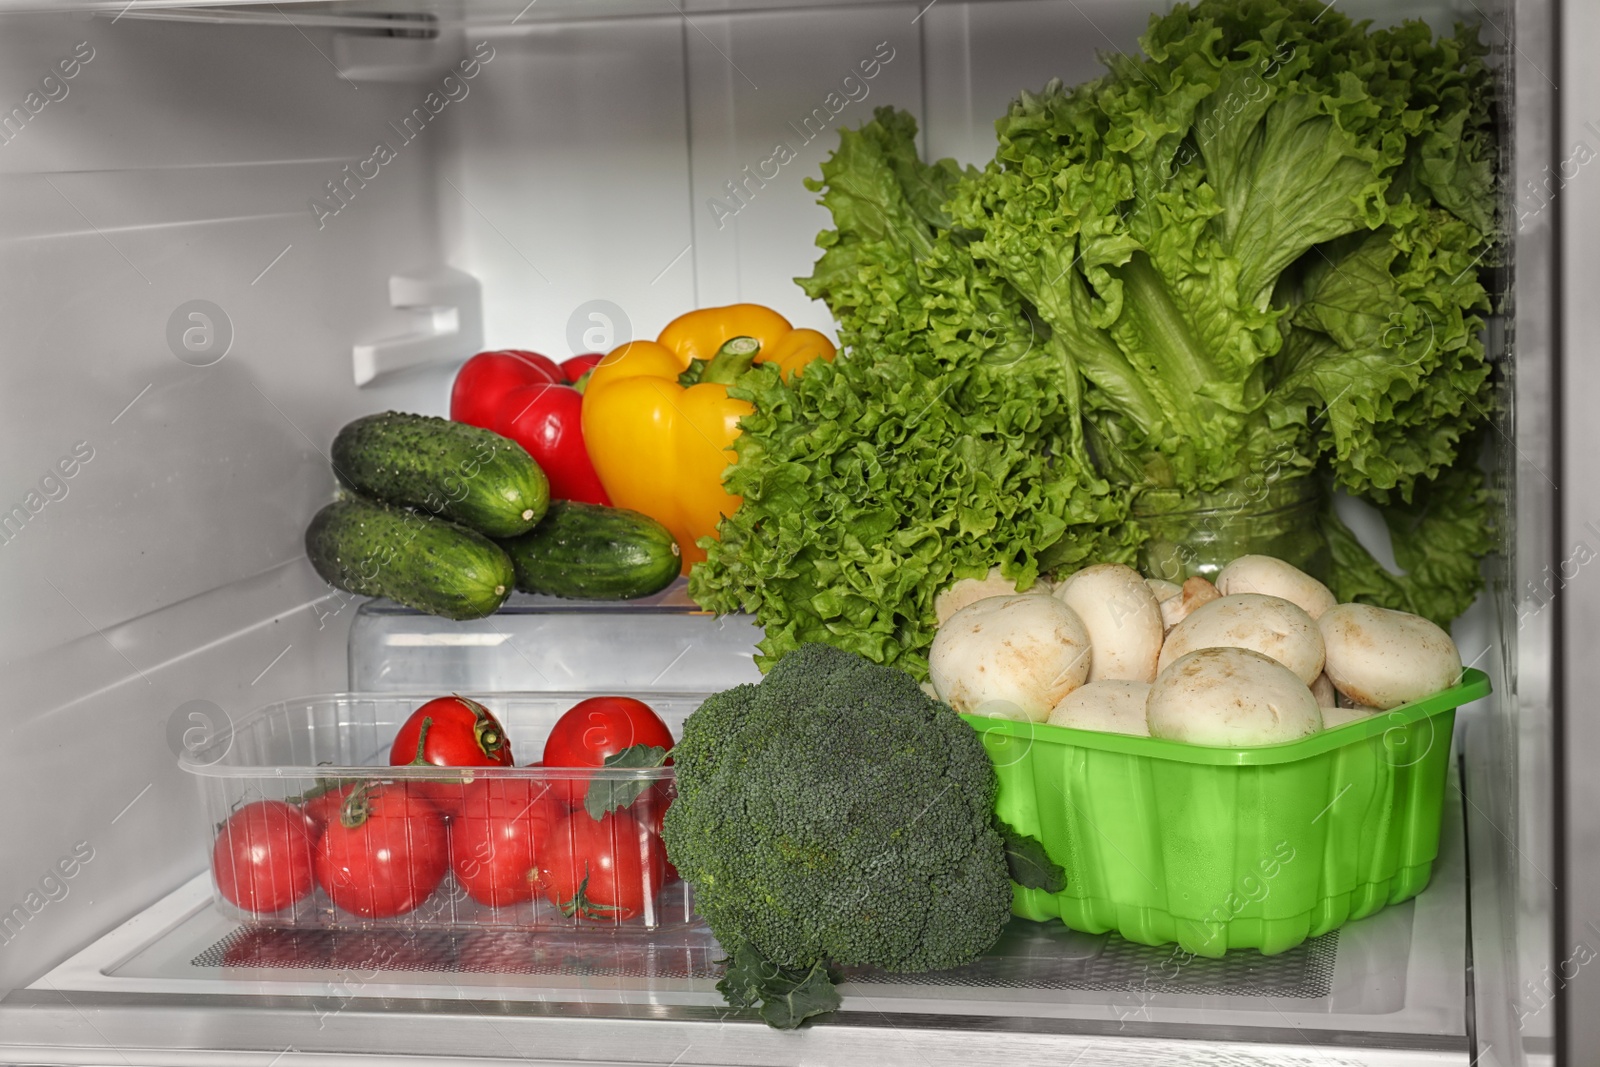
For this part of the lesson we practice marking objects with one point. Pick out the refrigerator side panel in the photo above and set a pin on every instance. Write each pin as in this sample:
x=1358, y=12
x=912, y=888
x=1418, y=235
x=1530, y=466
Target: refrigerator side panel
x=1572, y=182
x=1508, y=801
x=179, y=318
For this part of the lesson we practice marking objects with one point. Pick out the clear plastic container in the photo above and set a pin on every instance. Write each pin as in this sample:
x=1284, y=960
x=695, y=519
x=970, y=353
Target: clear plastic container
x=662, y=644
x=295, y=750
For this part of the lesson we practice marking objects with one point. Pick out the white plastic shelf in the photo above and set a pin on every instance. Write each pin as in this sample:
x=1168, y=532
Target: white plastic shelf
x=182, y=983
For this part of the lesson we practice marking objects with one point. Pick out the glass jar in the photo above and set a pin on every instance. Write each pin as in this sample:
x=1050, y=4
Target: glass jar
x=1189, y=534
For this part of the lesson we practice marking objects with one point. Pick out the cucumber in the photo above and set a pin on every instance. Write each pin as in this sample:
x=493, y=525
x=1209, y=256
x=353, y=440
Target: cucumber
x=595, y=553
x=450, y=469
x=362, y=546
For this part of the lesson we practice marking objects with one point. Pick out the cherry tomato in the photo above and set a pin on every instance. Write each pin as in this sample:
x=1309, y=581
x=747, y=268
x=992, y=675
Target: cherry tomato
x=323, y=808
x=605, y=870
x=450, y=732
x=578, y=366
x=385, y=854
x=484, y=380
x=599, y=727
x=502, y=826
x=568, y=792
x=262, y=857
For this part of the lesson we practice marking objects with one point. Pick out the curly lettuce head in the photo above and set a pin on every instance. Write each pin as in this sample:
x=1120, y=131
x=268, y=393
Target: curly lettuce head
x=944, y=440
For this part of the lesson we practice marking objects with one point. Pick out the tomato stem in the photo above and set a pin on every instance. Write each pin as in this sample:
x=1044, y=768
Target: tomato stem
x=422, y=739
x=485, y=730
x=355, y=809
x=580, y=905
x=324, y=785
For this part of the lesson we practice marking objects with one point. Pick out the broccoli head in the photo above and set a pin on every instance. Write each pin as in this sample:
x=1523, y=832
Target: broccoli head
x=836, y=813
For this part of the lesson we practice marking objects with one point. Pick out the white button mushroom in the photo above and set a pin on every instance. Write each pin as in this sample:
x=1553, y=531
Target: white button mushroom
x=1113, y=707
x=1123, y=620
x=1193, y=593
x=1385, y=658
x=1322, y=689
x=1163, y=589
x=971, y=590
x=1009, y=656
x=1228, y=697
x=1266, y=624
x=1342, y=701
x=1271, y=576
x=1332, y=717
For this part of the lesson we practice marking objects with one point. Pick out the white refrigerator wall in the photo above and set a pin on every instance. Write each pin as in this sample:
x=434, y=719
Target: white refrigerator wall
x=582, y=176
x=168, y=568
x=596, y=178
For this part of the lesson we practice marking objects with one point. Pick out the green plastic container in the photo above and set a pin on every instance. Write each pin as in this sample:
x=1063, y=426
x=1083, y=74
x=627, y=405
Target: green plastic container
x=1220, y=848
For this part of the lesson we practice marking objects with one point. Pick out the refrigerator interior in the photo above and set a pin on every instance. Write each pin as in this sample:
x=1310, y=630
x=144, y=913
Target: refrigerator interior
x=339, y=201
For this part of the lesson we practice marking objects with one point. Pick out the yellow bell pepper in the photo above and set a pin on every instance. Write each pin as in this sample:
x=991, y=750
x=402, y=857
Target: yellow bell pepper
x=658, y=420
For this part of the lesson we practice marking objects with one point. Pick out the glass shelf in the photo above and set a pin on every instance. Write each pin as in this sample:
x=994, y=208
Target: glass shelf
x=534, y=644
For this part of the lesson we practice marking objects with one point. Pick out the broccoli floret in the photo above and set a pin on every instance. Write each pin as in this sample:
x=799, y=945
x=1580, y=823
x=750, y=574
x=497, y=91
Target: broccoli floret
x=835, y=813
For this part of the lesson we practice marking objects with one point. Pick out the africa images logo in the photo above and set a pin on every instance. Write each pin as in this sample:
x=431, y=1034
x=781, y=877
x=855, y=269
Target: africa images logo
x=852, y=90
x=453, y=87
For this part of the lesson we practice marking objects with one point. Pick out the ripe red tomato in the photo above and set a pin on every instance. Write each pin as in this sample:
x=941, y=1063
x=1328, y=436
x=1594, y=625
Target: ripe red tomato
x=504, y=823
x=568, y=792
x=450, y=732
x=385, y=854
x=606, y=870
x=323, y=808
x=463, y=733
x=262, y=857
x=484, y=380
x=599, y=727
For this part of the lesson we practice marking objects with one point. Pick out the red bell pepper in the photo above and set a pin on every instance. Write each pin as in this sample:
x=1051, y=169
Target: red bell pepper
x=488, y=376
x=547, y=420
x=523, y=395
x=576, y=367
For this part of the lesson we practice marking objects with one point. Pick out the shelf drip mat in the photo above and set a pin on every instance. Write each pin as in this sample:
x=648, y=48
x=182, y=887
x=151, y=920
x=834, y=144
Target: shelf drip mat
x=1028, y=956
